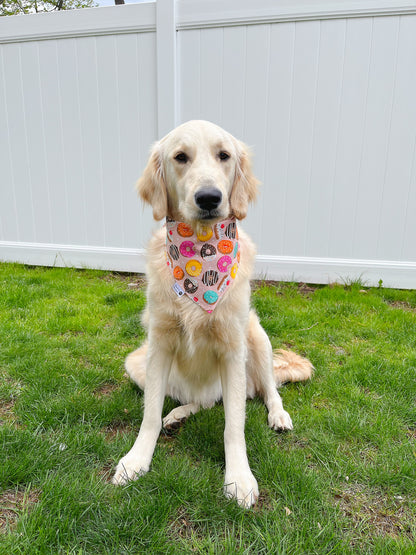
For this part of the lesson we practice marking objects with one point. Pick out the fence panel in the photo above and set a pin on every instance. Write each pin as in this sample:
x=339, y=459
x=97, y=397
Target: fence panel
x=323, y=92
x=79, y=109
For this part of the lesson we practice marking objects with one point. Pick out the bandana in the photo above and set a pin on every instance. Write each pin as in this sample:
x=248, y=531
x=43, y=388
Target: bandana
x=203, y=264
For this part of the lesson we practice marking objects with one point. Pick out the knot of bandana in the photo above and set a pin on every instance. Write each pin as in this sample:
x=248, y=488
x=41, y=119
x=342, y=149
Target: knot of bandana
x=205, y=262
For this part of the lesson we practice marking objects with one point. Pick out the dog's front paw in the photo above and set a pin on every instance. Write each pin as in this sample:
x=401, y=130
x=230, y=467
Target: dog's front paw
x=243, y=487
x=280, y=420
x=128, y=469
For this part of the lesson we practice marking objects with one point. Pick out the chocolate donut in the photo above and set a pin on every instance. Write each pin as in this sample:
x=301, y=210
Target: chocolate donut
x=208, y=251
x=210, y=277
x=231, y=230
x=174, y=252
x=190, y=285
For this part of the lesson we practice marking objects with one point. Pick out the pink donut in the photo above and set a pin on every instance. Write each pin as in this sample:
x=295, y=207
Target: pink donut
x=223, y=263
x=187, y=249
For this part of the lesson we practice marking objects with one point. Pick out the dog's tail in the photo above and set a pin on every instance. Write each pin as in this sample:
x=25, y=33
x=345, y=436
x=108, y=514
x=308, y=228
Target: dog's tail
x=290, y=367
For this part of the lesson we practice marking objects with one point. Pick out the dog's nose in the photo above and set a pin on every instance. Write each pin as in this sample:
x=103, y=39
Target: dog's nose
x=208, y=199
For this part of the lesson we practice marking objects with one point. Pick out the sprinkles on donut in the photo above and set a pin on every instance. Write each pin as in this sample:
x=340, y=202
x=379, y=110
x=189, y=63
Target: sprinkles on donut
x=225, y=246
x=219, y=229
x=187, y=248
x=185, y=230
x=223, y=263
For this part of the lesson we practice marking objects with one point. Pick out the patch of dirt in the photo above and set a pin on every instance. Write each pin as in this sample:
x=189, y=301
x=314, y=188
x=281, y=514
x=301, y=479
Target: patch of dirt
x=6, y=410
x=7, y=415
x=132, y=281
x=411, y=434
x=377, y=514
x=137, y=283
x=300, y=443
x=12, y=504
x=306, y=289
x=303, y=288
x=289, y=345
x=372, y=394
x=84, y=362
x=402, y=305
x=105, y=389
x=264, y=502
x=321, y=404
x=182, y=527
x=258, y=283
x=113, y=430
x=106, y=472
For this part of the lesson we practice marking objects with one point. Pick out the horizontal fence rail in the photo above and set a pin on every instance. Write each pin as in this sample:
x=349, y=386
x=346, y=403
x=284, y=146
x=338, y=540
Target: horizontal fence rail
x=323, y=92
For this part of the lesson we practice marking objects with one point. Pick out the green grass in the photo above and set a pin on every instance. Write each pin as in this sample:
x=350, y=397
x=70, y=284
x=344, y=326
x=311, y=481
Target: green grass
x=342, y=482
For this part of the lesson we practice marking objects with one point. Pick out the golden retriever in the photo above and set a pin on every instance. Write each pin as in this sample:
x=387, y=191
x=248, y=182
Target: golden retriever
x=201, y=175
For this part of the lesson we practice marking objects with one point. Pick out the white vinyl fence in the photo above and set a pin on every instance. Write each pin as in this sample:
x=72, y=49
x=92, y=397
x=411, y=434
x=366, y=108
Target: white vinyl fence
x=323, y=91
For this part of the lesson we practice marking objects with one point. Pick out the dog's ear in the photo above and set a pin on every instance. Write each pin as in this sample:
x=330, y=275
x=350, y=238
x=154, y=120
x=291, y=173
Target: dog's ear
x=151, y=186
x=245, y=187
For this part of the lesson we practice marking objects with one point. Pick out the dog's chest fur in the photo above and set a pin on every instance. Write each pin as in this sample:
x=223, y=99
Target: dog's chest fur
x=197, y=338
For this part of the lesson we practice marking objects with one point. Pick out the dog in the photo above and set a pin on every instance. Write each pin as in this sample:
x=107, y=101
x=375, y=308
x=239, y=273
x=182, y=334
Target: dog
x=204, y=341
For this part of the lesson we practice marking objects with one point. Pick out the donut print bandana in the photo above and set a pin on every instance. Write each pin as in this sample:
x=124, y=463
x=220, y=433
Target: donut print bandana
x=203, y=265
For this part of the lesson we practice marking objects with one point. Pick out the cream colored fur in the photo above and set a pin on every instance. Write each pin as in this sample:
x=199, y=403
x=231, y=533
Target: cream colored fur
x=193, y=356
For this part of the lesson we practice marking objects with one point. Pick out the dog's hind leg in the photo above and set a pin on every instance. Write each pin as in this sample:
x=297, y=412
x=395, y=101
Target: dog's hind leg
x=179, y=414
x=260, y=374
x=135, y=365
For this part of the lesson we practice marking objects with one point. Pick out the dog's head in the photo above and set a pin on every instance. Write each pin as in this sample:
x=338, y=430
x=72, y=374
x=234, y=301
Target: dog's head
x=198, y=173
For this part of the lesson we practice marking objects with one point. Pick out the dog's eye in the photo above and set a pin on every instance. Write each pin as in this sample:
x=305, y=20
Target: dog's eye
x=223, y=155
x=181, y=157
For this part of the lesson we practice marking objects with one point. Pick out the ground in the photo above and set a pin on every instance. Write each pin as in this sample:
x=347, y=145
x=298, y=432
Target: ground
x=343, y=481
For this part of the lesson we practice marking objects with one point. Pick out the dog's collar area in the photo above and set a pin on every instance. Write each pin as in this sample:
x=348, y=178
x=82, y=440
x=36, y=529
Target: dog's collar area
x=204, y=261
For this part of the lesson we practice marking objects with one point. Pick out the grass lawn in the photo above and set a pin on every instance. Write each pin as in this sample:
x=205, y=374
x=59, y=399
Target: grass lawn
x=343, y=481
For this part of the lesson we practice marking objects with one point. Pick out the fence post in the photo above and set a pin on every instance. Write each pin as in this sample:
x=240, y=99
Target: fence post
x=166, y=66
